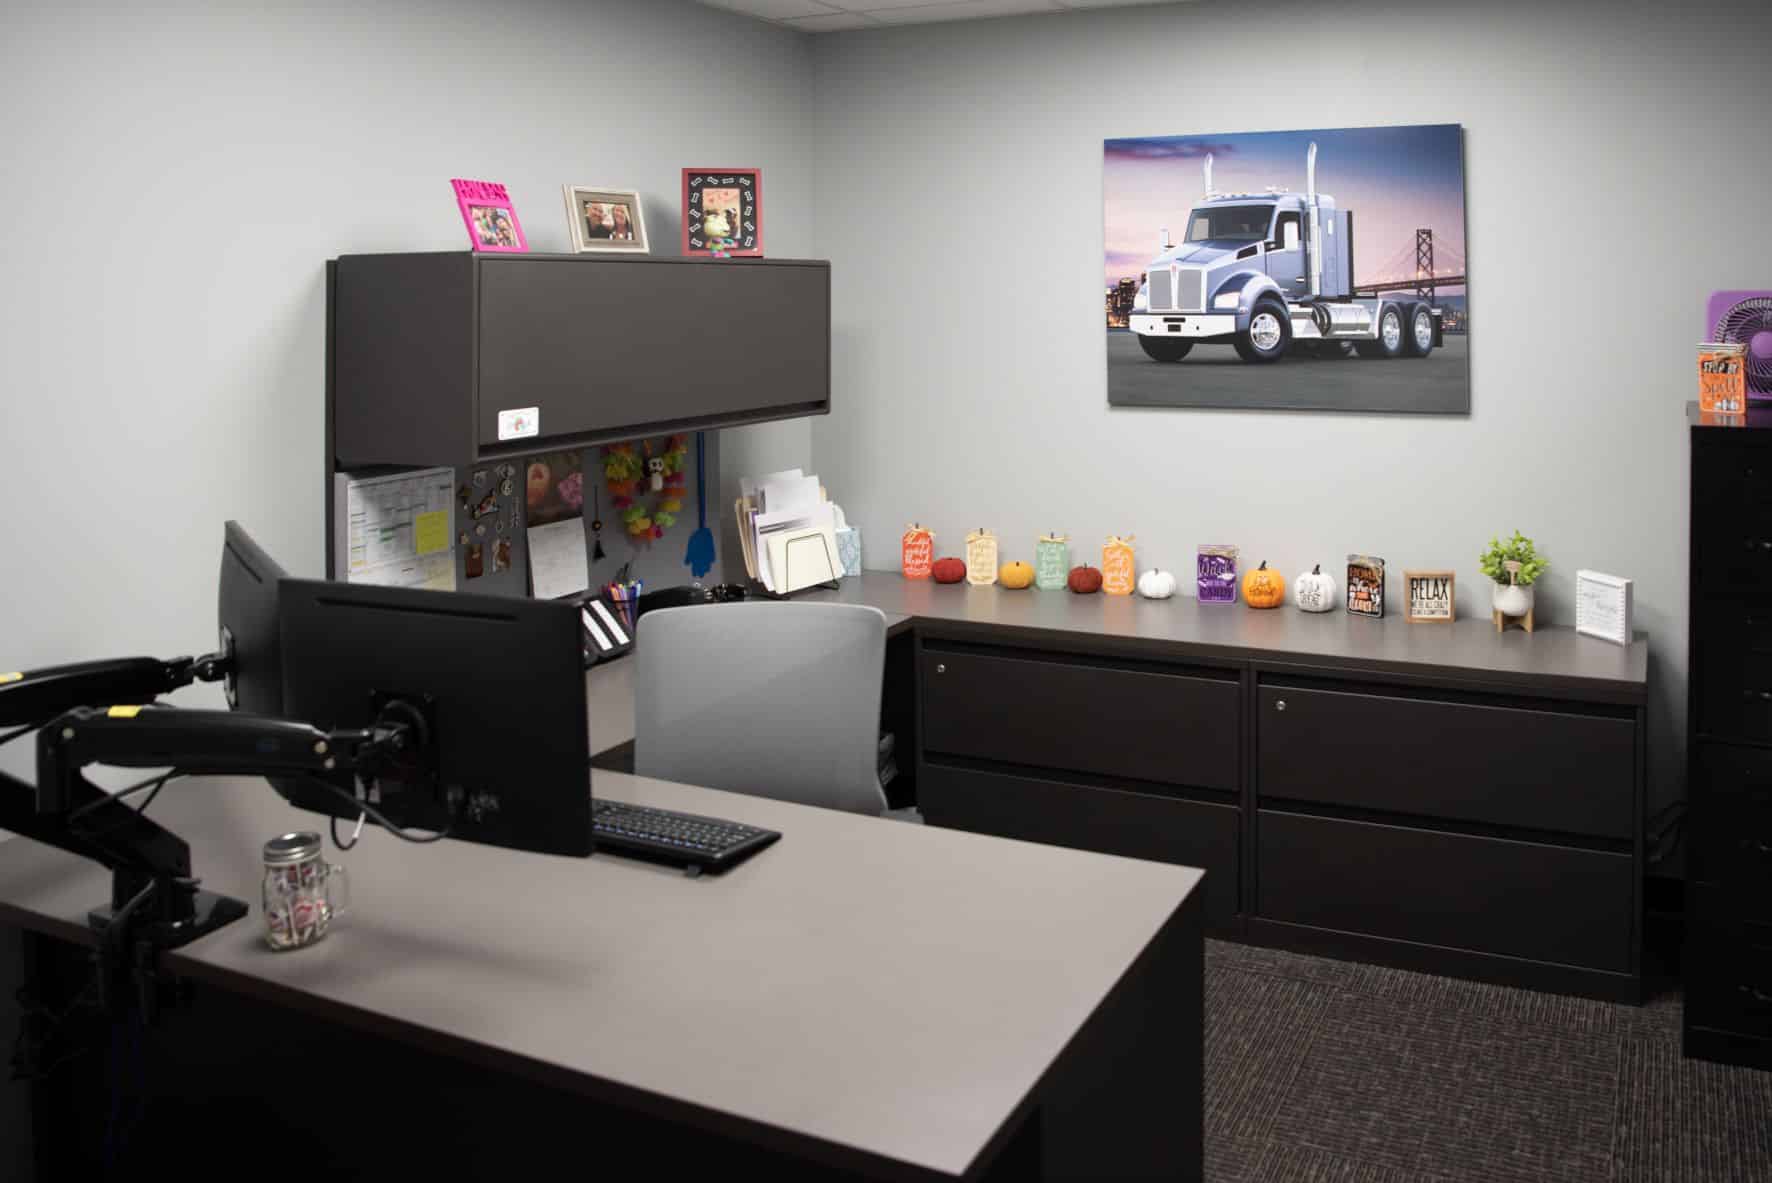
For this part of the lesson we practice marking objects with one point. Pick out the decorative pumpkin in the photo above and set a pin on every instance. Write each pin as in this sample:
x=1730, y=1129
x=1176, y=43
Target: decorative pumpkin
x=948, y=570
x=1118, y=573
x=1084, y=580
x=1264, y=587
x=1017, y=575
x=1314, y=591
x=1156, y=585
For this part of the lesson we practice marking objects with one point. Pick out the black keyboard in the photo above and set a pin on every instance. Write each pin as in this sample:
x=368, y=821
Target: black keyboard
x=684, y=839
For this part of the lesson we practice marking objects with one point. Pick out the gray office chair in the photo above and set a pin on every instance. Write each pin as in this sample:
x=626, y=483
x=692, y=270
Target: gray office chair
x=771, y=699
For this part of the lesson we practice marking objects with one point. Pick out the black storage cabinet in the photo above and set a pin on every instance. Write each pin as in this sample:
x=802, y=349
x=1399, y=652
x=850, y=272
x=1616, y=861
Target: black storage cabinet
x=428, y=349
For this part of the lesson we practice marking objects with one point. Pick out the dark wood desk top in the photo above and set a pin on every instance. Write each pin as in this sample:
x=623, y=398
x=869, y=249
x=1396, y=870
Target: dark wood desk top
x=867, y=991
x=1468, y=652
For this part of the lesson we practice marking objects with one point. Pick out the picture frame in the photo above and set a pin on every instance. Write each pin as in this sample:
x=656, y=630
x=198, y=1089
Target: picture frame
x=735, y=192
x=1365, y=586
x=620, y=221
x=1429, y=597
x=1603, y=606
x=490, y=217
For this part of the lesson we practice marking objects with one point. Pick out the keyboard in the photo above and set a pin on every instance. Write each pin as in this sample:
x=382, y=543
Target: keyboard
x=683, y=839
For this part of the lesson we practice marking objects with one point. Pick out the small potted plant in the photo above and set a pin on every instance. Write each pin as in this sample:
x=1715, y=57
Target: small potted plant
x=1515, y=566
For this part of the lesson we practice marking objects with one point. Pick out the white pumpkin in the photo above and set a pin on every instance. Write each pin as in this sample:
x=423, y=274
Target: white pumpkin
x=1156, y=585
x=1314, y=591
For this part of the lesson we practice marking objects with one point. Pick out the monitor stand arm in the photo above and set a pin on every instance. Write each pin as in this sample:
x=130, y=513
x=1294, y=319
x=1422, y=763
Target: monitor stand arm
x=34, y=697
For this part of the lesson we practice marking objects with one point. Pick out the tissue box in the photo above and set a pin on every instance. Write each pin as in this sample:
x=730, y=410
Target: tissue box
x=849, y=550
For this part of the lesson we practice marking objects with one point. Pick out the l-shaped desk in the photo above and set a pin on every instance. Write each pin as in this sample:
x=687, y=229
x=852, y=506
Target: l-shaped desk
x=1435, y=796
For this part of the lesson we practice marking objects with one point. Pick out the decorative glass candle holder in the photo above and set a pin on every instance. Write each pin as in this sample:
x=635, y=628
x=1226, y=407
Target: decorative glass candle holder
x=1052, y=562
x=1118, y=573
x=1217, y=570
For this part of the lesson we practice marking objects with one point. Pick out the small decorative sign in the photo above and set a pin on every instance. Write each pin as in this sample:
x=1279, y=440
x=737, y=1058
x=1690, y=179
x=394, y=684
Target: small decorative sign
x=1217, y=573
x=722, y=211
x=981, y=557
x=918, y=551
x=1118, y=573
x=491, y=220
x=1365, y=586
x=1603, y=606
x=1052, y=562
x=1428, y=597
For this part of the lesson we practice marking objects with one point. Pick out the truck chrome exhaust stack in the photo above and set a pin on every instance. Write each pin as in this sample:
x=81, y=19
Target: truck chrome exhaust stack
x=1310, y=173
x=1209, y=192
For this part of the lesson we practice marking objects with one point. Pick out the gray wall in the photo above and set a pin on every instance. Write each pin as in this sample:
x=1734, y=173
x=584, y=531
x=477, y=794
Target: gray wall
x=958, y=196
x=180, y=174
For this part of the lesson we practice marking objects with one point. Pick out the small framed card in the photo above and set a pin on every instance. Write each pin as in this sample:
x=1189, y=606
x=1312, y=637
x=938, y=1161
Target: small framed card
x=1365, y=586
x=722, y=211
x=605, y=220
x=1602, y=606
x=1428, y=598
x=491, y=220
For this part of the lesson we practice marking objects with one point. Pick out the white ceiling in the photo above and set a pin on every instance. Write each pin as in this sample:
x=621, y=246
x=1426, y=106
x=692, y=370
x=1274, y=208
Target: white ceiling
x=831, y=16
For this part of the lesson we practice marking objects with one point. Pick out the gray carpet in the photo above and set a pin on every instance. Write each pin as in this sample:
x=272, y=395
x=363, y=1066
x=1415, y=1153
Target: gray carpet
x=1324, y=1071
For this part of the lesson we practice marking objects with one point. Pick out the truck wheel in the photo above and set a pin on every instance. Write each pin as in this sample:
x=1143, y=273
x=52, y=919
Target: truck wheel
x=1390, y=336
x=1164, y=348
x=1269, y=332
x=1419, y=340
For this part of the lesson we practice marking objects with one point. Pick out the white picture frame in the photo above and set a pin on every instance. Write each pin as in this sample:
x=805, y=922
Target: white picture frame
x=1603, y=606
x=618, y=206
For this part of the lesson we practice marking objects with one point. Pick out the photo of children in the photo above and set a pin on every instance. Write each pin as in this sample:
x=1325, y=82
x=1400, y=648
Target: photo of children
x=493, y=226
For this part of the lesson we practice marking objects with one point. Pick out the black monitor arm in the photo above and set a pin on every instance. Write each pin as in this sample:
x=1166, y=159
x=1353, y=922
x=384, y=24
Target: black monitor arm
x=34, y=697
x=155, y=902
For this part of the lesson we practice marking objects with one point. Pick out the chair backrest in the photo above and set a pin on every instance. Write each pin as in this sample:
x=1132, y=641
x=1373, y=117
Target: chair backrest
x=772, y=699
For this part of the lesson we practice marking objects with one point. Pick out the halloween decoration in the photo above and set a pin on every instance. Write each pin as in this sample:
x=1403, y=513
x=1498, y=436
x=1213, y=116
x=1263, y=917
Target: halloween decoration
x=1217, y=568
x=1156, y=585
x=1084, y=580
x=1016, y=575
x=631, y=473
x=1365, y=586
x=948, y=570
x=1314, y=591
x=1052, y=561
x=981, y=557
x=1118, y=572
x=916, y=551
x=1264, y=587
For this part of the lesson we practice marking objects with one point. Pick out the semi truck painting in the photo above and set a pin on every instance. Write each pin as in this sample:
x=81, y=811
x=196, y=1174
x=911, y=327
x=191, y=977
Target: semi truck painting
x=1271, y=274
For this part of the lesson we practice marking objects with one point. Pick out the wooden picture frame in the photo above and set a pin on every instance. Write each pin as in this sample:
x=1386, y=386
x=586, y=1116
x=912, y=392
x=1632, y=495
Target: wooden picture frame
x=616, y=207
x=746, y=186
x=1429, y=597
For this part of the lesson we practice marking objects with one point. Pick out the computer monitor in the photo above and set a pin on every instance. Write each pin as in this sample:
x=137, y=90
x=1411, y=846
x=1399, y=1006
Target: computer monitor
x=499, y=681
x=246, y=615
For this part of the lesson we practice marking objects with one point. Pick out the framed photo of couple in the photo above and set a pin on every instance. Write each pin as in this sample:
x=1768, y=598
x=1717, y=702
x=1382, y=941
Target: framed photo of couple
x=605, y=220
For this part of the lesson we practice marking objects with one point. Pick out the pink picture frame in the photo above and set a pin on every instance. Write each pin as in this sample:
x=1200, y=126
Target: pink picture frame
x=489, y=216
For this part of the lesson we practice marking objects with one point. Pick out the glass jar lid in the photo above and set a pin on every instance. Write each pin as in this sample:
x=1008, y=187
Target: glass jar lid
x=292, y=848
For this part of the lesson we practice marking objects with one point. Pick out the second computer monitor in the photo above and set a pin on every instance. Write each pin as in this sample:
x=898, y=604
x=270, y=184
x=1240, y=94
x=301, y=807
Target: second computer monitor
x=499, y=681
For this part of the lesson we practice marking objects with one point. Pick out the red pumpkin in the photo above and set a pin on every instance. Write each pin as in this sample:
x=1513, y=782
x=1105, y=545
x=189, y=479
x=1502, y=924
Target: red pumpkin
x=1085, y=580
x=948, y=570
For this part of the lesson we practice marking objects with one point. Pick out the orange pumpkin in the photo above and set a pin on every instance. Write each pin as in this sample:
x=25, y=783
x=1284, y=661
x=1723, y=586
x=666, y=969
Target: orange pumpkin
x=1016, y=575
x=1264, y=587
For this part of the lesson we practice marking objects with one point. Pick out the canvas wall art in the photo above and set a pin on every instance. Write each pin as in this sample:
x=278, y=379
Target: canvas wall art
x=1297, y=270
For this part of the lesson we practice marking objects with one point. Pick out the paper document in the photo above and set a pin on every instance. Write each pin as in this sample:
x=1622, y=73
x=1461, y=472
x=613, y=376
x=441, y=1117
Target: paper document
x=399, y=529
x=558, y=564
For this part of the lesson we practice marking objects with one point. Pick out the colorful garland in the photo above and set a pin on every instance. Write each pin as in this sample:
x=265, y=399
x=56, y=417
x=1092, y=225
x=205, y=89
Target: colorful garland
x=630, y=473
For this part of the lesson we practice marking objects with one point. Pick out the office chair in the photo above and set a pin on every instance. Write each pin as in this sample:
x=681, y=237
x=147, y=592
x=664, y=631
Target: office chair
x=772, y=699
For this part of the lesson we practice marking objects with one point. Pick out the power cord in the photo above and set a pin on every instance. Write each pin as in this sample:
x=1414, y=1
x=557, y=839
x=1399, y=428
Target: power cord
x=364, y=808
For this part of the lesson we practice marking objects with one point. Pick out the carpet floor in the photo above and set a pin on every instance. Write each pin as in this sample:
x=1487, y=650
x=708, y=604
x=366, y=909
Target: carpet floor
x=1322, y=1071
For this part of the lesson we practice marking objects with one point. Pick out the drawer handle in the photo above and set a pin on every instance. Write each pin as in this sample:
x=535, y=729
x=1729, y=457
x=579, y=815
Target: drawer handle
x=1756, y=846
x=1757, y=695
x=1281, y=705
x=1755, y=993
x=1756, y=544
x=941, y=667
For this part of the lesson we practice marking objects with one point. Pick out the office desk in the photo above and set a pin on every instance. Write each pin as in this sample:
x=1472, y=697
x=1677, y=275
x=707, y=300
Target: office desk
x=890, y=1000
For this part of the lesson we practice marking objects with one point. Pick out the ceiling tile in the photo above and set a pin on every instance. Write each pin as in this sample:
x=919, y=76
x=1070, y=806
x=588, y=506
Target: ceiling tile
x=1113, y=3
x=834, y=23
x=775, y=10
x=961, y=10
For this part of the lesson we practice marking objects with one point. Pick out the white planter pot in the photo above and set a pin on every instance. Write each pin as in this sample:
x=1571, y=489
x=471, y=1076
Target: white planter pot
x=1512, y=600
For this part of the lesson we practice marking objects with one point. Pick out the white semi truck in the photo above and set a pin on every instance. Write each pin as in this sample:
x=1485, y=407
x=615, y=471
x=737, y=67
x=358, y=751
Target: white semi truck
x=1269, y=274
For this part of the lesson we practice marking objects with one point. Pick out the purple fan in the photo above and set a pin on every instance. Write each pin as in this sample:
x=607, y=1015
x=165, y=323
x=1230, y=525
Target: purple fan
x=1745, y=318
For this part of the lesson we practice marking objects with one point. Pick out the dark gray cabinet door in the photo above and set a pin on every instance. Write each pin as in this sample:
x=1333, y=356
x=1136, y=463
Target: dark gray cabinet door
x=1533, y=769
x=627, y=346
x=1137, y=825
x=1174, y=728
x=1519, y=899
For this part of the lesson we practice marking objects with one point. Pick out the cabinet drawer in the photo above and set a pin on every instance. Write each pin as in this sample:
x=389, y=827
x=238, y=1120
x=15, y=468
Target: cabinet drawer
x=1732, y=825
x=1166, y=727
x=1729, y=478
x=1137, y=825
x=1726, y=628
x=1519, y=899
x=1537, y=770
x=1729, y=978
x=1734, y=693
x=1733, y=558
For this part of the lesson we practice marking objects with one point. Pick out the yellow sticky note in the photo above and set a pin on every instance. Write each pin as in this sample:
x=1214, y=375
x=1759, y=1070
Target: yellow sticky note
x=5, y=678
x=124, y=712
x=431, y=531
